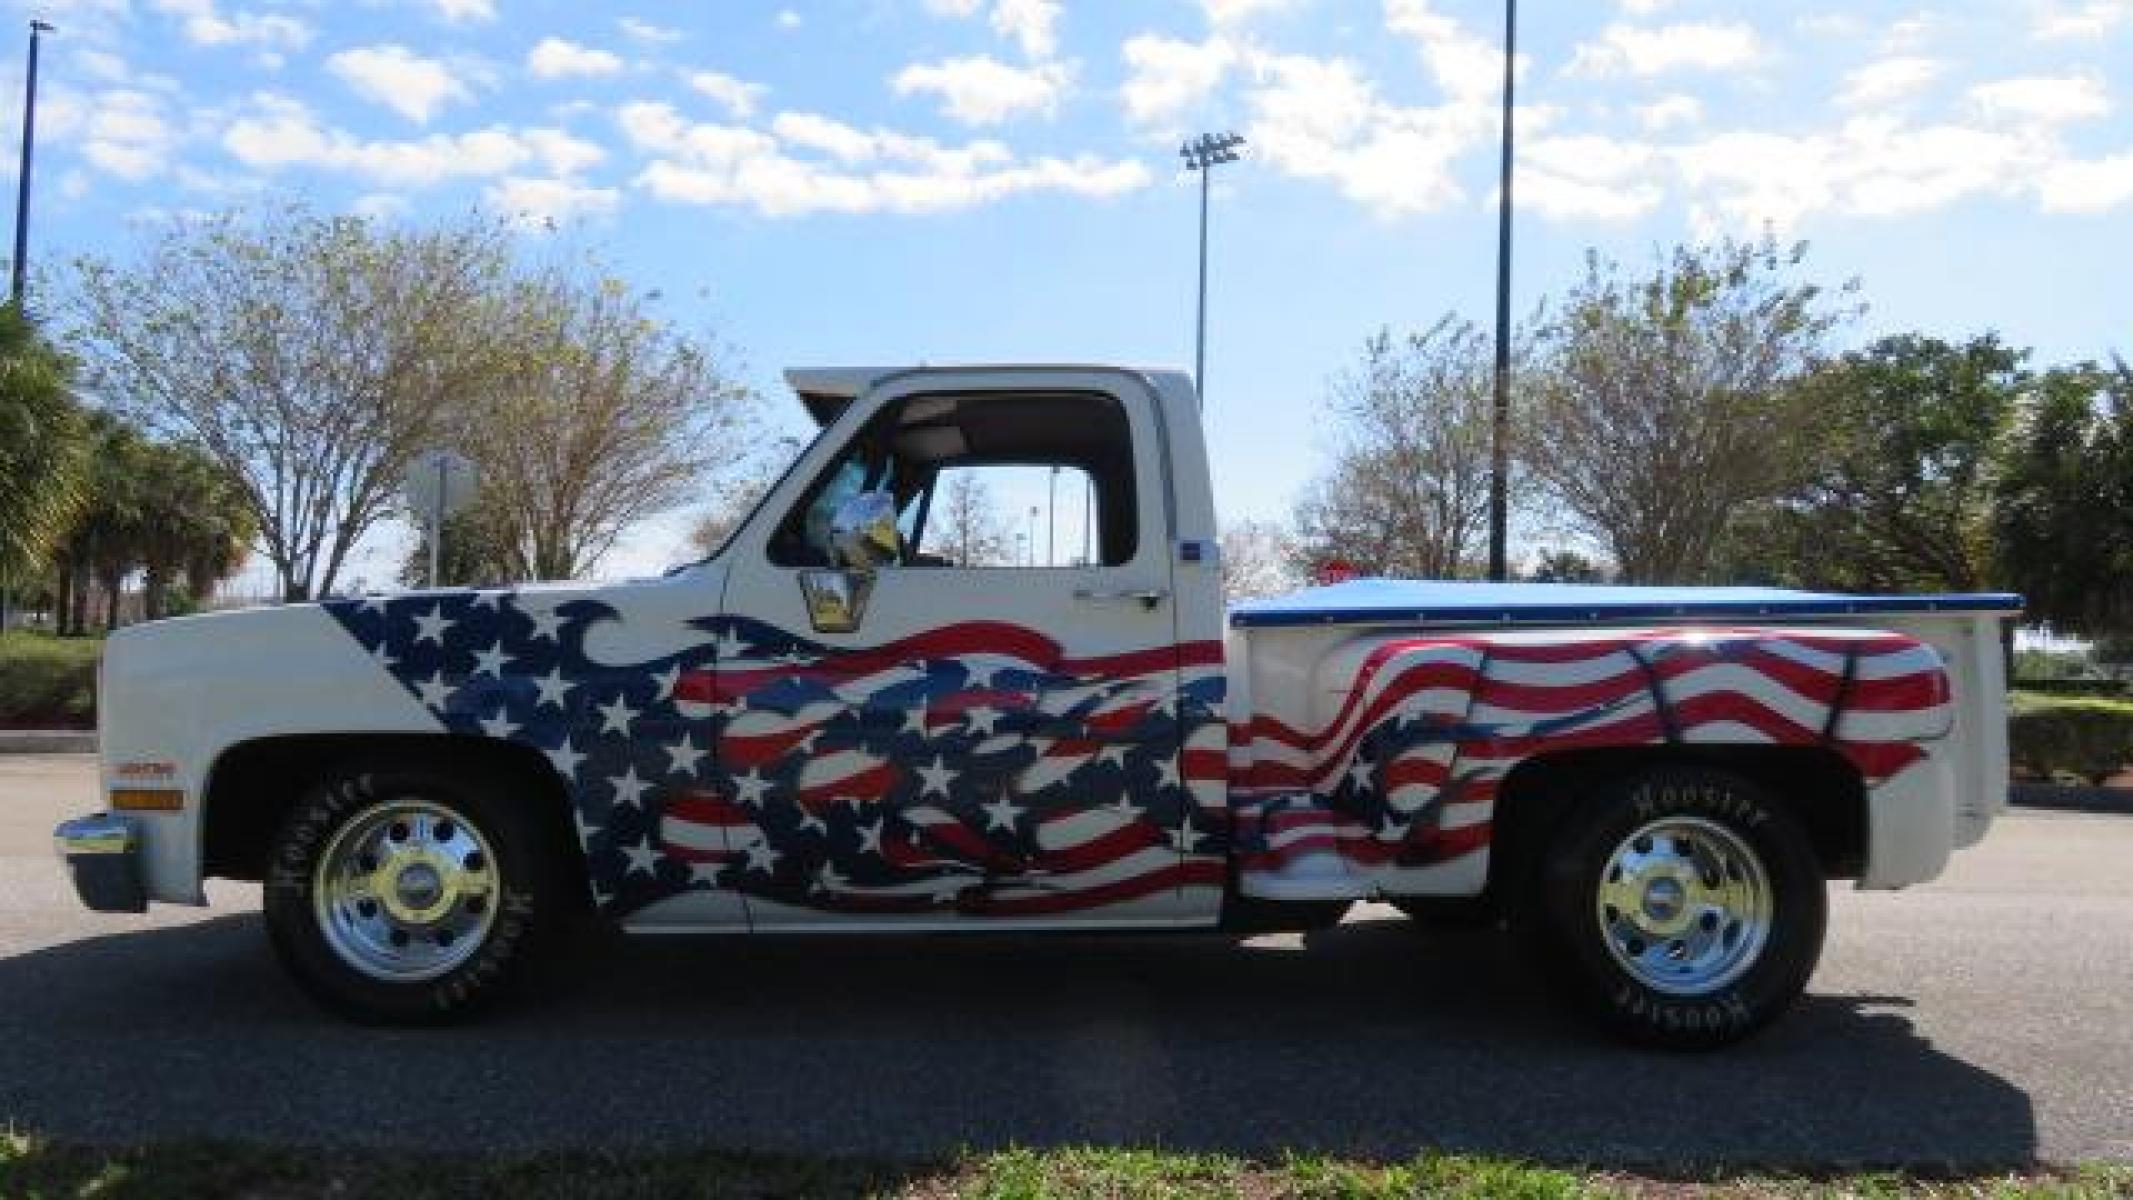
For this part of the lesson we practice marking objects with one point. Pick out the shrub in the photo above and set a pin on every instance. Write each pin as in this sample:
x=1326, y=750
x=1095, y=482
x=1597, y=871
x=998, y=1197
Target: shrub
x=47, y=681
x=2057, y=735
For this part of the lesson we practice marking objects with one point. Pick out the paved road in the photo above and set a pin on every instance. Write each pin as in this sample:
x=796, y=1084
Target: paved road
x=1986, y=1019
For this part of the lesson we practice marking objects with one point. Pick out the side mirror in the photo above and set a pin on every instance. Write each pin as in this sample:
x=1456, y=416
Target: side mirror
x=863, y=533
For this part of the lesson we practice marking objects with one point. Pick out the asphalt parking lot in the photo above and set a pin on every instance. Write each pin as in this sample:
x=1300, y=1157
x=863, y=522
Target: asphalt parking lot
x=1986, y=1019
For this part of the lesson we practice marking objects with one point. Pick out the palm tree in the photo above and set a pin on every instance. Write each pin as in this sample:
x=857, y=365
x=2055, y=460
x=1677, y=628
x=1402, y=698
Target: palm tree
x=42, y=449
x=104, y=545
x=195, y=527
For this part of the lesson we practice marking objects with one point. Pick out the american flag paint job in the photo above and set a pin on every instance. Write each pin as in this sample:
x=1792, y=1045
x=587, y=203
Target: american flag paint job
x=1401, y=780
x=975, y=771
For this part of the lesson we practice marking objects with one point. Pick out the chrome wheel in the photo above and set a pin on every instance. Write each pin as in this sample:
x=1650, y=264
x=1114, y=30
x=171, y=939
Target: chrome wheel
x=406, y=890
x=1685, y=905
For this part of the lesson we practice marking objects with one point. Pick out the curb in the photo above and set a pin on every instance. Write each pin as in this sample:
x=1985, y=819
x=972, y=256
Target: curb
x=2071, y=799
x=47, y=741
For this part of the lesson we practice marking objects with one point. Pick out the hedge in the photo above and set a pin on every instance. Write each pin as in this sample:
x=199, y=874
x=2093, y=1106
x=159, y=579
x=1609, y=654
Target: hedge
x=47, y=682
x=2088, y=738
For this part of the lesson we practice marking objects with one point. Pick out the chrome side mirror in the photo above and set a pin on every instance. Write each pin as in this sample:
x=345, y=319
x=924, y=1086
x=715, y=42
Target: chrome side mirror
x=863, y=533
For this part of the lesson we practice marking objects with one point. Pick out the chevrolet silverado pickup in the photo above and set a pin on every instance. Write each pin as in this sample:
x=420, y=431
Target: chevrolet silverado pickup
x=838, y=723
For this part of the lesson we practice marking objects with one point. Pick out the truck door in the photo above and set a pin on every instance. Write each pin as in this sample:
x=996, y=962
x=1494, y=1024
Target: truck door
x=980, y=725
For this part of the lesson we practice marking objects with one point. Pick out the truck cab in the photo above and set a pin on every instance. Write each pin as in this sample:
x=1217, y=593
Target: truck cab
x=845, y=719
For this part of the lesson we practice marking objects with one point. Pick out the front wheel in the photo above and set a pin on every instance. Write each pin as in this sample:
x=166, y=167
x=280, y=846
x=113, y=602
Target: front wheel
x=409, y=896
x=1686, y=905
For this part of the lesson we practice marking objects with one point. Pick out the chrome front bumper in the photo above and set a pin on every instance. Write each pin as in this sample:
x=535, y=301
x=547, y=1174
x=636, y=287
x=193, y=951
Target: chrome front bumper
x=103, y=854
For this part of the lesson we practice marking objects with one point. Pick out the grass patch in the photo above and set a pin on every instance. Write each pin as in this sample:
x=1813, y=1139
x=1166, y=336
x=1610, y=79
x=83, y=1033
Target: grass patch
x=33, y=1169
x=47, y=682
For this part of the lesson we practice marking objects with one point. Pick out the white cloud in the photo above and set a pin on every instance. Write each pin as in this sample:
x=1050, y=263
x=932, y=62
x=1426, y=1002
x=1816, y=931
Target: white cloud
x=207, y=25
x=396, y=77
x=1031, y=24
x=2090, y=21
x=559, y=58
x=281, y=132
x=1645, y=8
x=2087, y=187
x=2047, y=99
x=1655, y=50
x=954, y=8
x=737, y=96
x=1677, y=108
x=648, y=33
x=465, y=12
x=1466, y=66
x=382, y=206
x=864, y=171
x=549, y=202
x=981, y=90
x=1888, y=81
x=788, y=19
x=1237, y=12
x=1322, y=119
x=1168, y=78
x=124, y=132
x=1587, y=178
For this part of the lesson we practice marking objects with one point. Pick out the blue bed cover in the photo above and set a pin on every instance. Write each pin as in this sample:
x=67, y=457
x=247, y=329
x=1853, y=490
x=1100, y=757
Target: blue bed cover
x=1371, y=601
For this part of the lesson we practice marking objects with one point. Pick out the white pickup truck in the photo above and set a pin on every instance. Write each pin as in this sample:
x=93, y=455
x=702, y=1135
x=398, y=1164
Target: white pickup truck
x=832, y=724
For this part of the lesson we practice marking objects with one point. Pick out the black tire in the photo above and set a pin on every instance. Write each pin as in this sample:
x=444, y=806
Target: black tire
x=1745, y=996
x=530, y=898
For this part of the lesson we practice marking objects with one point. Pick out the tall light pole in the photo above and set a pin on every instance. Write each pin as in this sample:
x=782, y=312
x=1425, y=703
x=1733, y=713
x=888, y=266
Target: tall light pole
x=1204, y=154
x=1500, y=433
x=22, y=177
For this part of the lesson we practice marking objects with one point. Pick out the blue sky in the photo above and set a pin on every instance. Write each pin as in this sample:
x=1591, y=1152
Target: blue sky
x=827, y=181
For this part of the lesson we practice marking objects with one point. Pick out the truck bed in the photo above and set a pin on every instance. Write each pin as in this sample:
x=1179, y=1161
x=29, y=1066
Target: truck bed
x=1438, y=602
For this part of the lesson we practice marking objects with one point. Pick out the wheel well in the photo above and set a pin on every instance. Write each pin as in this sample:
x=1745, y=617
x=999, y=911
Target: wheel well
x=1821, y=789
x=254, y=784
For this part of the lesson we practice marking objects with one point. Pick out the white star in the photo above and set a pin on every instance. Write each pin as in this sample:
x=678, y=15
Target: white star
x=435, y=692
x=749, y=789
x=683, y=756
x=546, y=622
x=979, y=673
x=729, y=647
x=1126, y=805
x=493, y=601
x=1166, y=773
x=794, y=658
x=586, y=829
x=1360, y=774
x=553, y=688
x=984, y=717
x=642, y=857
x=870, y=838
x=431, y=627
x=384, y=660
x=704, y=873
x=629, y=789
x=666, y=680
x=1393, y=831
x=1113, y=754
x=915, y=721
x=566, y=759
x=374, y=602
x=762, y=856
x=1001, y=813
x=1168, y=705
x=500, y=725
x=808, y=820
x=615, y=717
x=490, y=661
x=935, y=778
x=827, y=879
x=1186, y=839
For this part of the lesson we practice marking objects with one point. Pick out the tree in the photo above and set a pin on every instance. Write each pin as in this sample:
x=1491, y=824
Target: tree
x=606, y=415
x=971, y=531
x=1665, y=403
x=1565, y=566
x=195, y=527
x=1409, y=488
x=1258, y=559
x=42, y=448
x=1901, y=495
x=735, y=494
x=103, y=545
x=2064, y=513
x=312, y=356
x=481, y=549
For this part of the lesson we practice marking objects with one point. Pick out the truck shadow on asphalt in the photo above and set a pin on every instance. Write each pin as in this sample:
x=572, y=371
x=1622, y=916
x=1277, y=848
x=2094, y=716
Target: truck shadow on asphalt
x=1377, y=1038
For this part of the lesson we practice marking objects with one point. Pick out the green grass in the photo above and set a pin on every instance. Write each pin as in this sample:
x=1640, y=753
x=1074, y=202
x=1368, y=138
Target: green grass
x=46, y=681
x=32, y=1168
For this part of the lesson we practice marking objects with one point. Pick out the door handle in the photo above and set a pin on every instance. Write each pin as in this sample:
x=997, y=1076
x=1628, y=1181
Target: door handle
x=1147, y=598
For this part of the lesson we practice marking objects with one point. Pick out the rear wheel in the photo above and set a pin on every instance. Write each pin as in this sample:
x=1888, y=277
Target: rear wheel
x=410, y=895
x=1685, y=907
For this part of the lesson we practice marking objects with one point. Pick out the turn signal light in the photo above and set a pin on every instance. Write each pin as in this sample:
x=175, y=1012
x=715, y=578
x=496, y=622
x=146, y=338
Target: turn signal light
x=147, y=799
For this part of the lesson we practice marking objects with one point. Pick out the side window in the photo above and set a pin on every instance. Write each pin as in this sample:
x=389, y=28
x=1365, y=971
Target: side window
x=1023, y=479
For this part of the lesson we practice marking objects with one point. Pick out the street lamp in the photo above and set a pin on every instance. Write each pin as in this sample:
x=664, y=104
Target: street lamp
x=1204, y=154
x=1500, y=431
x=22, y=177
